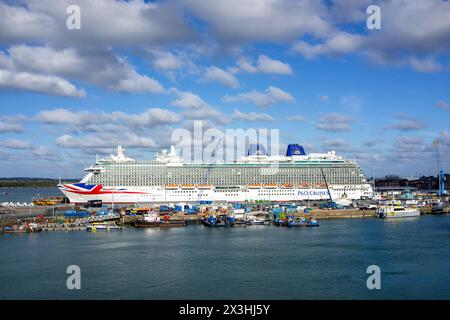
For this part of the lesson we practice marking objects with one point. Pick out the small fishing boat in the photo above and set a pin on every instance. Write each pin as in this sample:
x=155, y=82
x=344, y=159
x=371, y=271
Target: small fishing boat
x=102, y=226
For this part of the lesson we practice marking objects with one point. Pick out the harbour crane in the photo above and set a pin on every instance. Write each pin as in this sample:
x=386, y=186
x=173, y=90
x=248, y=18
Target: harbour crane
x=440, y=172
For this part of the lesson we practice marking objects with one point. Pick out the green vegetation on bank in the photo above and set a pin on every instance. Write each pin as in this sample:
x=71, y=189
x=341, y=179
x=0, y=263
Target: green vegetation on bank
x=30, y=182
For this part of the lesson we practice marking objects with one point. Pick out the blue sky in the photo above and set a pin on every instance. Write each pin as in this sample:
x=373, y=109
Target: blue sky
x=136, y=71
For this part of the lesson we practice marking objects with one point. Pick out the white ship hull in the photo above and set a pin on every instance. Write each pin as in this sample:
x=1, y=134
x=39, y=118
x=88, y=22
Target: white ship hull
x=80, y=193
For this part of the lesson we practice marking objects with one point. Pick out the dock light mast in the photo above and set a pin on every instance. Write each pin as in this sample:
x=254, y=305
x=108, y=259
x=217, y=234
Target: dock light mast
x=441, y=176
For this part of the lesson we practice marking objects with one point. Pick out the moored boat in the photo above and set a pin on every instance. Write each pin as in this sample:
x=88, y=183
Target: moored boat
x=33, y=227
x=8, y=229
x=102, y=226
x=301, y=222
x=257, y=219
x=397, y=211
x=438, y=208
x=217, y=221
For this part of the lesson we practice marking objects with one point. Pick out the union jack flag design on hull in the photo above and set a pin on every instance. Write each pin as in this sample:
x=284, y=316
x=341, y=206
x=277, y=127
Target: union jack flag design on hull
x=94, y=189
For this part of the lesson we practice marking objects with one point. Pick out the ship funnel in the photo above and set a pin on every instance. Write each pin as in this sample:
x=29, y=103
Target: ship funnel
x=295, y=150
x=256, y=149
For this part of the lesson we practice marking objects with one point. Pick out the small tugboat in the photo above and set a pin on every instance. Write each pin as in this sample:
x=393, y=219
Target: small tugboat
x=153, y=220
x=102, y=226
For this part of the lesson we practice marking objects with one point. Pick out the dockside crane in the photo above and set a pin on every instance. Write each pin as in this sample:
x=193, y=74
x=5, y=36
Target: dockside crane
x=440, y=172
x=326, y=184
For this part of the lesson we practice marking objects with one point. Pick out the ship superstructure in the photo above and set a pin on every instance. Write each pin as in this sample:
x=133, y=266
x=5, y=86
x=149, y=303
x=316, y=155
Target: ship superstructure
x=296, y=176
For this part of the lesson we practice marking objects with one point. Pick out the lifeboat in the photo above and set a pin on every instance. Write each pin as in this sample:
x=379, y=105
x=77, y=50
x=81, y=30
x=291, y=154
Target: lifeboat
x=287, y=186
x=187, y=186
x=254, y=186
x=303, y=186
x=204, y=186
x=171, y=186
x=270, y=186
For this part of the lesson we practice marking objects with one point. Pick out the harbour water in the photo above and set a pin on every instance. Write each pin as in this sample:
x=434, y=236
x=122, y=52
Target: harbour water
x=26, y=194
x=263, y=262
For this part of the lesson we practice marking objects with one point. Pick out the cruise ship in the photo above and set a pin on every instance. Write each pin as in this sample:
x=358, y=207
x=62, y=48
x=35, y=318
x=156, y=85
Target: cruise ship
x=297, y=176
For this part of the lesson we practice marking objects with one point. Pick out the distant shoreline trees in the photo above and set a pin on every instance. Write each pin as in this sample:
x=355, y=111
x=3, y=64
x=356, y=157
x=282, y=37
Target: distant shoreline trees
x=30, y=182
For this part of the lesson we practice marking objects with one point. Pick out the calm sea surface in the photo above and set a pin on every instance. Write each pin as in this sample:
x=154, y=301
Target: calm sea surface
x=263, y=262
x=27, y=194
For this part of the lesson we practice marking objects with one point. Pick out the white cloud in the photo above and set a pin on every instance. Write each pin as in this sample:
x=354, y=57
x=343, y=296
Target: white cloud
x=261, y=20
x=188, y=99
x=138, y=83
x=428, y=64
x=39, y=83
x=336, y=144
x=444, y=138
x=194, y=107
x=268, y=65
x=264, y=65
x=406, y=123
x=167, y=61
x=15, y=144
x=226, y=78
x=337, y=44
x=45, y=153
x=149, y=118
x=418, y=44
x=101, y=67
x=131, y=140
x=334, y=122
x=10, y=127
x=269, y=97
x=177, y=63
x=251, y=116
x=104, y=22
